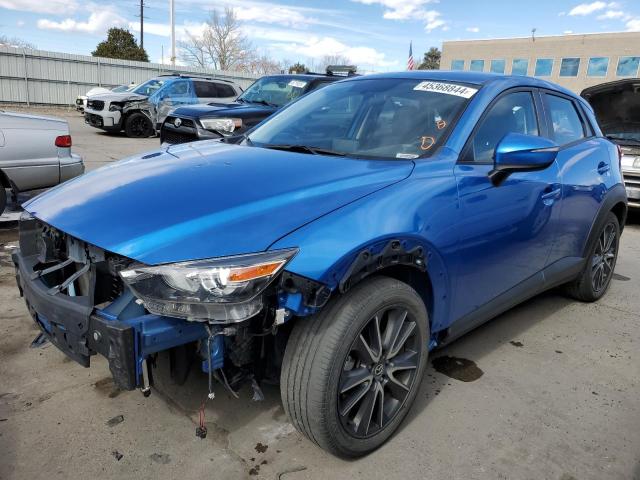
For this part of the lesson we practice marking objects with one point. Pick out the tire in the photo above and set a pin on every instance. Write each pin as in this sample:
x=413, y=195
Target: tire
x=324, y=354
x=595, y=279
x=138, y=125
x=3, y=198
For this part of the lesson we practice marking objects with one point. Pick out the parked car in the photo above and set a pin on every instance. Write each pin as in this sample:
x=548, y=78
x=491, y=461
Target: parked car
x=261, y=100
x=617, y=108
x=35, y=153
x=81, y=100
x=140, y=112
x=334, y=246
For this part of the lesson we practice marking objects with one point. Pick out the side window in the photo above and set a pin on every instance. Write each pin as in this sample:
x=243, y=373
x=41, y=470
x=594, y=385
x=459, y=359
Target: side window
x=179, y=88
x=318, y=85
x=566, y=122
x=205, y=89
x=225, y=90
x=513, y=113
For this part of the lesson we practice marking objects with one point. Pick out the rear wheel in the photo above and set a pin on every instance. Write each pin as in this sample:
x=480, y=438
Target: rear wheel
x=138, y=125
x=351, y=373
x=594, y=281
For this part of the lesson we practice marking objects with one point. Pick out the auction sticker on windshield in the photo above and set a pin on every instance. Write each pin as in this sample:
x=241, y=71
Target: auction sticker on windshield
x=447, y=88
x=297, y=83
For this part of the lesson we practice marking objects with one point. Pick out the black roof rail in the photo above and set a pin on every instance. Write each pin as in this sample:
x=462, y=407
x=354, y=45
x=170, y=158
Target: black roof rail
x=342, y=70
x=202, y=77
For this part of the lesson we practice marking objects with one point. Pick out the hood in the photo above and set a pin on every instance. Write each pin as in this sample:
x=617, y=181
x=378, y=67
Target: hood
x=207, y=199
x=617, y=107
x=208, y=110
x=118, y=97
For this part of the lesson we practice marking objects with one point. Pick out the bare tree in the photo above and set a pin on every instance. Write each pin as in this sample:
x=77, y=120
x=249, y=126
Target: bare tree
x=333, y=60
x=259, y=65
x=221, y=46
x=16, y=42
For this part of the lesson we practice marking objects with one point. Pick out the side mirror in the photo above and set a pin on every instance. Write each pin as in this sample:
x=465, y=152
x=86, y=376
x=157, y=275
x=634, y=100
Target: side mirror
x=517, y=152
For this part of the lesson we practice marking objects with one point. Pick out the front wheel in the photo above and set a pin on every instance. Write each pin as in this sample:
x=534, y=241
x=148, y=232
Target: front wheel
x=351, y=373
x=138, y=125
x=594, y=280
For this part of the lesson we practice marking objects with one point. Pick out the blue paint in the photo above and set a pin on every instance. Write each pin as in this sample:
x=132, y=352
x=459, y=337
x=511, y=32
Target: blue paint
x=217, y=354
x=480, y=240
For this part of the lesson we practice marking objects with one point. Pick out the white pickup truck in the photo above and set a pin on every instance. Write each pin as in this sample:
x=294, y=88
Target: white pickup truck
x=35, y=153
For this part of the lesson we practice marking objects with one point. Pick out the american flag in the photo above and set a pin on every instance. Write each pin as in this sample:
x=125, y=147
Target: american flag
x=410, y=64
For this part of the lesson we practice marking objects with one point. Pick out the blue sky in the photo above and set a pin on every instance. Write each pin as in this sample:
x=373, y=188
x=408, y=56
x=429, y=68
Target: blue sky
x=374, y=34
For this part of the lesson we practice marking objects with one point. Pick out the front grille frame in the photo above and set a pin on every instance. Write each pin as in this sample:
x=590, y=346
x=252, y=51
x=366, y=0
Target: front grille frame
x=97, y=105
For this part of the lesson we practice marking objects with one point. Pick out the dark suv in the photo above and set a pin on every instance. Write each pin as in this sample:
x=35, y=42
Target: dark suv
x=261, y=100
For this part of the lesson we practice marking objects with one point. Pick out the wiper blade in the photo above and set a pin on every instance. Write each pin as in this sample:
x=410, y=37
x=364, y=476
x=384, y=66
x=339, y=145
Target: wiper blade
x=306, y=149
x=264, y=102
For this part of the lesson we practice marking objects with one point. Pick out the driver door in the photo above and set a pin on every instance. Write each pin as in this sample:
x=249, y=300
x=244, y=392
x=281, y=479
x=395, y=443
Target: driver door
x=507, y=231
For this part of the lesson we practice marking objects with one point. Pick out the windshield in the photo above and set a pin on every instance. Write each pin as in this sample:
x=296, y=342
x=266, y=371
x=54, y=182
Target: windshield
x=149, y=87
x=275, y=91
x=378, y=118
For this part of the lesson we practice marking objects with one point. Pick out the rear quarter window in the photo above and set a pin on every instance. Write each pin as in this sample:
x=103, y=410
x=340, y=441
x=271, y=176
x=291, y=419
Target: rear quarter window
x=566, y=123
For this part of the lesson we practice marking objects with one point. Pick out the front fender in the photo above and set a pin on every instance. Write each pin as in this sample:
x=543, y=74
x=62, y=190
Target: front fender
x=420, y=211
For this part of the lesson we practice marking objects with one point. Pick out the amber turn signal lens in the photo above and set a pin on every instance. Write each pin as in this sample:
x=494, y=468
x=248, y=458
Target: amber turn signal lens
x=242, y=274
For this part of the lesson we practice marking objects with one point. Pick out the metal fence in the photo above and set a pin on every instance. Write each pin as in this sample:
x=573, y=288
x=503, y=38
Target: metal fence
x=51, y=78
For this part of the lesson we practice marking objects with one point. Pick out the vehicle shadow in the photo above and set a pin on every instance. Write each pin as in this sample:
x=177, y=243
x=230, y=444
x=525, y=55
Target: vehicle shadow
x=473, y=346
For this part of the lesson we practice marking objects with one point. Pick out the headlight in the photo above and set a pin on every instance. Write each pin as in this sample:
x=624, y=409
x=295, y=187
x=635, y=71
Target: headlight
x=115, y=106
x=220, y=290
x=222, y=125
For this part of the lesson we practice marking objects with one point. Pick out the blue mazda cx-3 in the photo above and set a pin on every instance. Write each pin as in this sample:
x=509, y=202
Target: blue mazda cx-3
x=331, y=247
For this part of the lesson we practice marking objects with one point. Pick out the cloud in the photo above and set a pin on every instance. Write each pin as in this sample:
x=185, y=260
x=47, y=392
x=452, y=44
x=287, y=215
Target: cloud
x=568, y=32
x=473, y=29
x=318, y=47
x=633, y=25
x=40, y=6
x=587, y=8
x=273, y=14
x=410, y=10
x=614, y=15
x=99, y=21
x=20, y=23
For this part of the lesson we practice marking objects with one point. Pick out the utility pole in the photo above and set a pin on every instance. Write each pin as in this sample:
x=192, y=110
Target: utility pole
x=172, y=20
x=142, y=24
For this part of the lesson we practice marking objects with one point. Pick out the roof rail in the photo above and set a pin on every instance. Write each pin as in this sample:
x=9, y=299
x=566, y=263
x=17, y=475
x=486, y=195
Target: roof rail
x=343, y=70
x=188, y=75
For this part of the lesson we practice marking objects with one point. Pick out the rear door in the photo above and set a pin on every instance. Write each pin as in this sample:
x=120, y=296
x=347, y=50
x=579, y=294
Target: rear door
x=585, y=167
x=506, y=231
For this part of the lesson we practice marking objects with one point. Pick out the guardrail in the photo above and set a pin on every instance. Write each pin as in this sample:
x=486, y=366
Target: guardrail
x=53, y=78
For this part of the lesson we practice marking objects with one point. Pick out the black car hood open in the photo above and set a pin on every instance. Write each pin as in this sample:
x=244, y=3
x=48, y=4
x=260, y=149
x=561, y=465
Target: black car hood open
x=238, y=109
x=616, y=105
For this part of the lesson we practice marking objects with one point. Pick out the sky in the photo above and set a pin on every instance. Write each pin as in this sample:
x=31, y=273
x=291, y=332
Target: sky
x=373, y=34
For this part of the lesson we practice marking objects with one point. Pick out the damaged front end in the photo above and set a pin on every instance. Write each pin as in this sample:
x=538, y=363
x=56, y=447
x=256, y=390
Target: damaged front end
x=229, y=313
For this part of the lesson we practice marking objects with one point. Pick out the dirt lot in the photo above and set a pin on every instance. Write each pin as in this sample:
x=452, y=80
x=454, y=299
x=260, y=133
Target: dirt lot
x=553, y=393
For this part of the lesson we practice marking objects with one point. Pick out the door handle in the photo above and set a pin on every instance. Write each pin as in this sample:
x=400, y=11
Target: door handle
x=603, y=167
x=551, y=193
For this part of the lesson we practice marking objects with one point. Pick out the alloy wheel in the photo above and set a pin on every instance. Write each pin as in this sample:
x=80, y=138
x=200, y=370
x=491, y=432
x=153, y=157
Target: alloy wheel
x=604, y=258
x=379, y=372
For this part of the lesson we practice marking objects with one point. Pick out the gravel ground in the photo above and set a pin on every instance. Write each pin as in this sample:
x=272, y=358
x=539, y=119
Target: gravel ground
x=549, y=390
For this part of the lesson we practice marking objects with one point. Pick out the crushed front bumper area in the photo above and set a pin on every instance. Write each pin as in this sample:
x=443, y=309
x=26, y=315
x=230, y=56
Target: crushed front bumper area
x=80, y=319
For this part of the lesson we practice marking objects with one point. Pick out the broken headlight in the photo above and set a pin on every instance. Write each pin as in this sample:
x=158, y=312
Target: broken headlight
x=220, y=290
x=116, y=106
x=225, y=126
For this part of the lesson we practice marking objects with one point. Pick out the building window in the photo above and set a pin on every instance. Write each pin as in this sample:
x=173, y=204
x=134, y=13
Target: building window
x=628, y=66
x=497, y=66
x=544, y=67
x=519, y=66
x=457, y=64
x=476, y=65
x=569, y=67
x=598, y=67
